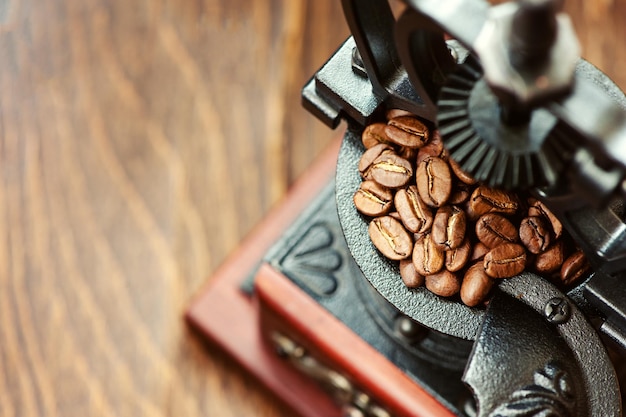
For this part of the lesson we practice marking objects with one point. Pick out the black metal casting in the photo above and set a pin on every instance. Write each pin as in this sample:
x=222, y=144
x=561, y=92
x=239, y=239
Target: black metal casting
x=313, y=254
x=529, y=115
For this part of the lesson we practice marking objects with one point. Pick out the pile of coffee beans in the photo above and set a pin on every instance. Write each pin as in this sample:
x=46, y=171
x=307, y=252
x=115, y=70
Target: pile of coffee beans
x=447, y=231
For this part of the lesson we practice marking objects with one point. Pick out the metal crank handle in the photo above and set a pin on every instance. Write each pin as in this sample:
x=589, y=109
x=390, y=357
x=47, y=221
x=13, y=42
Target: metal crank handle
x=536, y=354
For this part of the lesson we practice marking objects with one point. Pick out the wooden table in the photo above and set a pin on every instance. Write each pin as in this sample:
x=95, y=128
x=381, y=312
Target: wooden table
x=139, y=142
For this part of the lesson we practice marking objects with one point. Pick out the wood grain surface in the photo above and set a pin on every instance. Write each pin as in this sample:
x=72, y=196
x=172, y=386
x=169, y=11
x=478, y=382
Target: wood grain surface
x=139, y=142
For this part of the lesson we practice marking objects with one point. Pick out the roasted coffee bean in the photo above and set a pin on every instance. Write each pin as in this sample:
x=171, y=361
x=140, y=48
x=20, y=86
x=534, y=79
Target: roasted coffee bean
x=476, y=285
x=505, y=261
x=463, y=176
x=393, y=113
x=390, y=238
x=395, y=215
x=434, y=181
x=460, y=194
x=369, y=156
x=551, y=260
x=391, y=170
x=434, y=147
x=443, y=283
x=418, y=236
x=416, y=216
x=374, y=134
x=406, y=228
x=493, y=229
x=534, y=234
x=575, y=267
x=490, y=200
x=407, y=153
x=457, y=258
x=372, y=199
x=479, y=251
x=409, y=275
x=537, y=208
x=407, y=131
x=427, y=257
x=449, y=227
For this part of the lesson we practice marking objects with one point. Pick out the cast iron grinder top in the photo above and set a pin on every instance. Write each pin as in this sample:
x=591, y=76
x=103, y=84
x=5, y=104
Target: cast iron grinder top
x=517, y=109
x=511, y=99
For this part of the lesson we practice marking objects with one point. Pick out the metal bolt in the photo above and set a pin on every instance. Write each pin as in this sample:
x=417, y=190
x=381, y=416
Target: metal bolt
x=408, y=329
x=557, y=310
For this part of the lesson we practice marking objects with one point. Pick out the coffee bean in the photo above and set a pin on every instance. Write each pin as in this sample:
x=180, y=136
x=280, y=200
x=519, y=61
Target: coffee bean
x=457, y=258
x=534, y=234
x=575, y=267
x=372, y=199
x=393, y=113
x=460, y=174
x=505, y=261
x=434, y=147
x=479, y=251
x=449, y=227
x=537, y=208
x=434, y=248
x=476, y=285
x=443, y=283
x=427, y=257
x=407, y=153
x=369, y=156
x=551, y=260
x=390, y=238
x=374, y=134
x=409, y=275
x=434, y=182
x=395, y=215
x=407, y=131
x=418, y=236
x=490, y=200
x=493, y=229
x=460, y=194
x=415, y=214
x=391, y=170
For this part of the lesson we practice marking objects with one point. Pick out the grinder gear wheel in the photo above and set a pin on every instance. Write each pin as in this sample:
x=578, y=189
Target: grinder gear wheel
x=509, y=155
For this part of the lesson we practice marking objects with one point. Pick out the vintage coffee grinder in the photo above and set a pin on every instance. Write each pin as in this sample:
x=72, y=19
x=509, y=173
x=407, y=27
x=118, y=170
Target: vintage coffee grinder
x=316, y=313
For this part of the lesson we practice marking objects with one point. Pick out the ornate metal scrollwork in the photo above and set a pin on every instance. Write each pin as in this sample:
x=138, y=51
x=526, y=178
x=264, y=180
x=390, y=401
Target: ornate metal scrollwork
x=551, y=395
x=313, y=260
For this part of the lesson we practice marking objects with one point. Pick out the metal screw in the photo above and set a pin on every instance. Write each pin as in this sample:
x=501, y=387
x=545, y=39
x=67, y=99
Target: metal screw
x=557, y=310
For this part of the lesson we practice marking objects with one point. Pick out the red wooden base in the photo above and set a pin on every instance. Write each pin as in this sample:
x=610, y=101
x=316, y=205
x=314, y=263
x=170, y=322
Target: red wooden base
x=241, y=324
x=230, y=318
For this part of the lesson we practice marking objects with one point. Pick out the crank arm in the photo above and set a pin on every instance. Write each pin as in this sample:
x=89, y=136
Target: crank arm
x=536, y=354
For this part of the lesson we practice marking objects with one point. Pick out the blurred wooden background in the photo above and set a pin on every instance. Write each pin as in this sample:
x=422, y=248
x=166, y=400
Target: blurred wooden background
x=139, y=142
